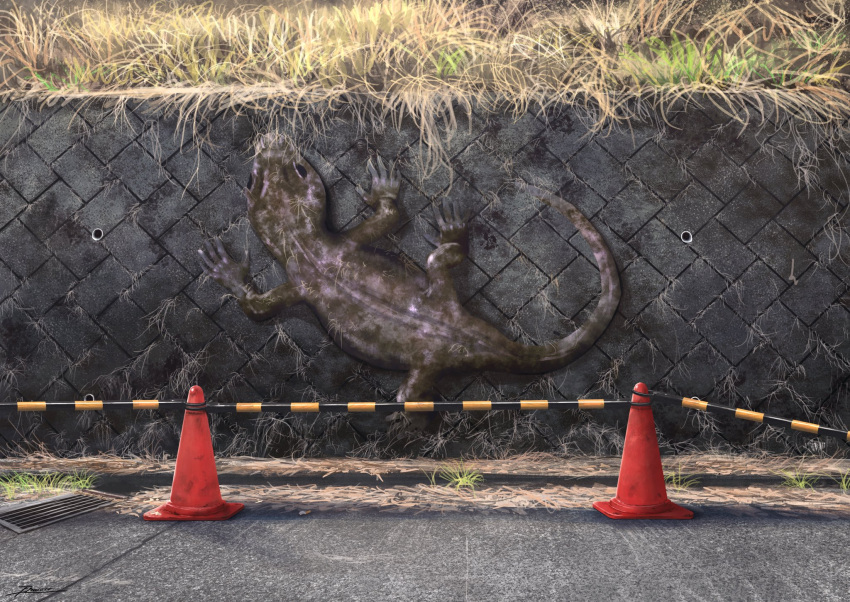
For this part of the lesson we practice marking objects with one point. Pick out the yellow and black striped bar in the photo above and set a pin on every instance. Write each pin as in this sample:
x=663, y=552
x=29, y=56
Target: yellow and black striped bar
x=420, y=406
x=88, y=404
x=353, y=406
x=93, y=404
x=146, y=404
x=796, y=425
x=32, y=406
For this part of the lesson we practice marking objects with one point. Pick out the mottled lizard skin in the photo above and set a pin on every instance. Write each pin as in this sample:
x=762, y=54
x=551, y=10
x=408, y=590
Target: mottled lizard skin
x=373, y=308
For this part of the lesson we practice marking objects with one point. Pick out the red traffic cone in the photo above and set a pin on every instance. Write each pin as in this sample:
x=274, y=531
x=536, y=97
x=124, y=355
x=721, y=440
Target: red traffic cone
x=195, y=494
x=641, y=492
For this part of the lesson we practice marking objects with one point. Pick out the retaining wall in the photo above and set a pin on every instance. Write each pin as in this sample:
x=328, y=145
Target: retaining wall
x=726, y=317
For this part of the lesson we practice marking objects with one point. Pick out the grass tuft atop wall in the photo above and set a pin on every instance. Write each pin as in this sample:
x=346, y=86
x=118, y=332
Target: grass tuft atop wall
x=391, y=57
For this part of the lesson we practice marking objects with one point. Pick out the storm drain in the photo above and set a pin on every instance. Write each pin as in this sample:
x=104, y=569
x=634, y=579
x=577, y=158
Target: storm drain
x=44, y=512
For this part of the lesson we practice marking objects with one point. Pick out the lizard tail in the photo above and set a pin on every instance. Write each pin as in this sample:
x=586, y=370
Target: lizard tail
x=535, y=359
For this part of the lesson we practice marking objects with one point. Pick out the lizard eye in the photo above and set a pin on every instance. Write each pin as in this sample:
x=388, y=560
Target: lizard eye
x=302, y=173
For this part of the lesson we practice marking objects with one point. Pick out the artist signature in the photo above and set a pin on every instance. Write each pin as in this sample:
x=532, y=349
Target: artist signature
x=29, y=589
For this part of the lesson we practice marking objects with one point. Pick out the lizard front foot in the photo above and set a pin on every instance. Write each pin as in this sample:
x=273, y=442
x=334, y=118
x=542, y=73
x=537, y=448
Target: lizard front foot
x=232, y=275
x=384, y=185
x=452, y=225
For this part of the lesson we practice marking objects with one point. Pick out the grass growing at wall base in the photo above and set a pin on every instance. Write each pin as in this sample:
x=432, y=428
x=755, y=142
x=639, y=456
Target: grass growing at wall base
x=457, y=475
x=37, y=484
x=676, y=480
x=844, y=481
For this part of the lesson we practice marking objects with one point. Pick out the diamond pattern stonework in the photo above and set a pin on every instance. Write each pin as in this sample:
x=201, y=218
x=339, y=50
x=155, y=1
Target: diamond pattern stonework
x=132, y=315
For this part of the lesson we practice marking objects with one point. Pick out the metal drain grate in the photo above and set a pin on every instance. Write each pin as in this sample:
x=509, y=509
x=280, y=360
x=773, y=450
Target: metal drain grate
x=44, y=512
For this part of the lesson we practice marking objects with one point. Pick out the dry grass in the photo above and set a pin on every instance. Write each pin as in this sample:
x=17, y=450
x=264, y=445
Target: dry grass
x=393, y=57
x=750, y=501
x=533, y=464
x=433, y=497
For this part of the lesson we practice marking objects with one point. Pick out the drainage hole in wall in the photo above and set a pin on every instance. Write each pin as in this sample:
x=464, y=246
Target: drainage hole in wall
x=687, y=237
x=96, y=234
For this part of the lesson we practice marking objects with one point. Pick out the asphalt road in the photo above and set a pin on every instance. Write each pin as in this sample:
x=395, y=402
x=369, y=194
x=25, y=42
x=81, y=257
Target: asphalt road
x=269, y=555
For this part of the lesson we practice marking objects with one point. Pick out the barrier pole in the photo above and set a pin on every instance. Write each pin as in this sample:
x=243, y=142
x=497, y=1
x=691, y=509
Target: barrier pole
x=796, y=425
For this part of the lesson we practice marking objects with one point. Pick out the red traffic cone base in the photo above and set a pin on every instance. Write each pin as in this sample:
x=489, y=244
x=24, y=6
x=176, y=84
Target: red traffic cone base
x=641, y=492
x=612, y=509
x=195, y=494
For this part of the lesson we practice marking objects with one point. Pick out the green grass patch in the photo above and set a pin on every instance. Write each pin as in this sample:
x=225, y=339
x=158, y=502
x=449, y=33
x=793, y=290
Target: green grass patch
x=678, y=481
x=682, y=61
x=843, y=481
x=798, y=480
x=457, y=475
x=16, y=483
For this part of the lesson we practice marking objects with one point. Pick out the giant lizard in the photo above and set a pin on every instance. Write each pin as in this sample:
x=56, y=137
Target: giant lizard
x=373, y=308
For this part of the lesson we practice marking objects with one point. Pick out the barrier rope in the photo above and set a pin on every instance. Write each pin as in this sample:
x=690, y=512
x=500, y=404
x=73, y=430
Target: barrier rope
x=424, y=406
x=797, y=425
x=353, y=406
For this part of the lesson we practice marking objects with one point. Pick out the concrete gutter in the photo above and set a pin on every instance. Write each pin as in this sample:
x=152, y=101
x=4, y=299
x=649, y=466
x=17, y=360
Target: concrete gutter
x=712, y=469
x=129, y=484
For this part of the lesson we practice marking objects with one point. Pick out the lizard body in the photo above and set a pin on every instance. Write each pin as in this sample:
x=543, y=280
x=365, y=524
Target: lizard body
x=371, y=306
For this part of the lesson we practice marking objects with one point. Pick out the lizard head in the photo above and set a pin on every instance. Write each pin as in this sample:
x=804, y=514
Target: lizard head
x=283, y=180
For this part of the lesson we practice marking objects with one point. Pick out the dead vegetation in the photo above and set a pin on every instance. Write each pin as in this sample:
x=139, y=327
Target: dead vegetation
x=619, y=63
x=536, y=464
x=743, y=501
x=487, y=498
